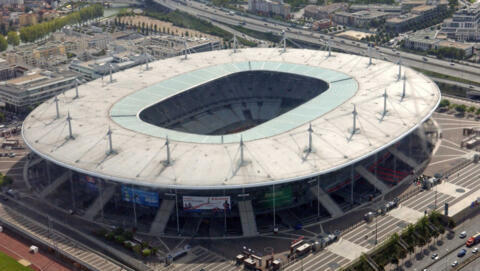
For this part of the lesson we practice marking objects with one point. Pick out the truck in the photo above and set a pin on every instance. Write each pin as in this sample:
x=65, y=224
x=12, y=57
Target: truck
x=473, y=240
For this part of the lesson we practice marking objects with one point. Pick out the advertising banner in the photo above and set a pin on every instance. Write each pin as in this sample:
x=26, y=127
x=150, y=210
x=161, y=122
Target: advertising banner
x=142, y=197
x=283, y=197
x=91, y=183
x=192, y=203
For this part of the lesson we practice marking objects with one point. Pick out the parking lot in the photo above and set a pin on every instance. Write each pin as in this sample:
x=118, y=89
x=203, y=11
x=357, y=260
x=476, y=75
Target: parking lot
x=447, y=155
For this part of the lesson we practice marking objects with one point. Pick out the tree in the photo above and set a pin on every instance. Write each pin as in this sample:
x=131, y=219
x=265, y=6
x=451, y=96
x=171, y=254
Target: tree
x=12, y=38
x=461, y=108
x=471, y=109
x=444, y=103
x=3, y=43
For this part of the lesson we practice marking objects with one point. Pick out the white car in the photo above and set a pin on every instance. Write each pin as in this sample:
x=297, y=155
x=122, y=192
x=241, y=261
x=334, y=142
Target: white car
x=475, y=250
x=463, y=234
x=455, y=263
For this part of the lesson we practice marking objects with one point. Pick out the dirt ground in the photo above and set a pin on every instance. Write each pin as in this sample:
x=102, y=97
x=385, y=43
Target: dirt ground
x=161, y=25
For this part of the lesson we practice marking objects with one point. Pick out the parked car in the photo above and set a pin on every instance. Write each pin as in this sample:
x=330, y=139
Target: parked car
x=435, y=256
x=455, y=263
x=462, y=252
x=463, y=234
x=475, y=250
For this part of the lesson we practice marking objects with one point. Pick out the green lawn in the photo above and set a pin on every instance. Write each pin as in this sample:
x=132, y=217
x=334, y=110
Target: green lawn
x=10, y=264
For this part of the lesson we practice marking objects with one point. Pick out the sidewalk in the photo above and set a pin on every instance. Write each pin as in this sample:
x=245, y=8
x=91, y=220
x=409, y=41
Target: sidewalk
x=19, y=250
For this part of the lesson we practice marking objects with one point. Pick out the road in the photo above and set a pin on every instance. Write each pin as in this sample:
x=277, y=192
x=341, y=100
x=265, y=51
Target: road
x=473, y=266
x=469, y=72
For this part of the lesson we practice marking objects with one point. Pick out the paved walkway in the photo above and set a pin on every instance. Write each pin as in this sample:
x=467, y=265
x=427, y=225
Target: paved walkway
x=19, y=250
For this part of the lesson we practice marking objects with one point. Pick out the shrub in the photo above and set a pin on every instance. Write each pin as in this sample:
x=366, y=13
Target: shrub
x=128, y=235
x=137, y=249
x=146, y=252
x=109, y=236
x=444, y=103
x=118, y=231
x=119, y=239
x=101, y=232
x=7, y=180
x=127, y=245
x=461, y=108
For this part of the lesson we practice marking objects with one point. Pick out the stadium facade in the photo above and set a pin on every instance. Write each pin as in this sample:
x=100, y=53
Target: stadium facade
x=231, y=143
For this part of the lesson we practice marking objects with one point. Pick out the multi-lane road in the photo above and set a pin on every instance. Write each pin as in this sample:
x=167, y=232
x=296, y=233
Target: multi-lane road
x=469, y=72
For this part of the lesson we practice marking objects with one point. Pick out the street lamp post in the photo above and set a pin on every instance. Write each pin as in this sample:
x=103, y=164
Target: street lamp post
x=446, y=257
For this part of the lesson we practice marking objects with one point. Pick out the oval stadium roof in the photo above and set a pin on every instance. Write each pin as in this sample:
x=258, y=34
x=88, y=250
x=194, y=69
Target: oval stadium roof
x=273, y=151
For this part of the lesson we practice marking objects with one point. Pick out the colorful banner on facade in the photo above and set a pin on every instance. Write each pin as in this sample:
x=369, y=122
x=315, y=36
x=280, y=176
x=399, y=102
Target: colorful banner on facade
x=142, y=197
x=192, y=203
x=91, y=183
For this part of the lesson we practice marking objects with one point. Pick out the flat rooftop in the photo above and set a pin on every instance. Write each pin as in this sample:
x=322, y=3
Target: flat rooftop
x=203, y=162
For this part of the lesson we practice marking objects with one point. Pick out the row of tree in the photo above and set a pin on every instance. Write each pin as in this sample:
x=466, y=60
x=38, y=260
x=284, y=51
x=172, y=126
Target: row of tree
x=38, y=31
x=399, y=246
x=12, y=39
x=146, y=28
x=448, y=52
x=460, y=108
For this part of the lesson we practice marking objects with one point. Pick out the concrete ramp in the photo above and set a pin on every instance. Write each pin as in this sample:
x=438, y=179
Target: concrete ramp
x=99, y=202
x=371, y=179
x=402, y=157
x=35, y=161
x=327, y=202
x=162, y=216
x=247, y=218
x=53, y=186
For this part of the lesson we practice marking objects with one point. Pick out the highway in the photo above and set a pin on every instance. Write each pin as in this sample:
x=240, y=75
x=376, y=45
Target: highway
x=469, y=72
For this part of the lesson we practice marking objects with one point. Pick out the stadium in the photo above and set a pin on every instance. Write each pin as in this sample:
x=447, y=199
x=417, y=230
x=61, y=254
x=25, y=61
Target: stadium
x=228, y=143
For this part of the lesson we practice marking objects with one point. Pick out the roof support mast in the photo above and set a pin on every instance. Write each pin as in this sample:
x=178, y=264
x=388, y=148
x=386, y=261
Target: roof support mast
x=109, y=135
x=111, y=68
x=235, y=45
x=76, y=88
x=284, y=41
x=354, y=113
x=146, y=62
x=329, y=48
x=369, y=55
x=400, y=68
x=56, y=106
x=69, y=120
x=241, y=151
x=384, y=103
x=167, y=145
x=310, y=131
x=185, y=53
x=404, y=86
